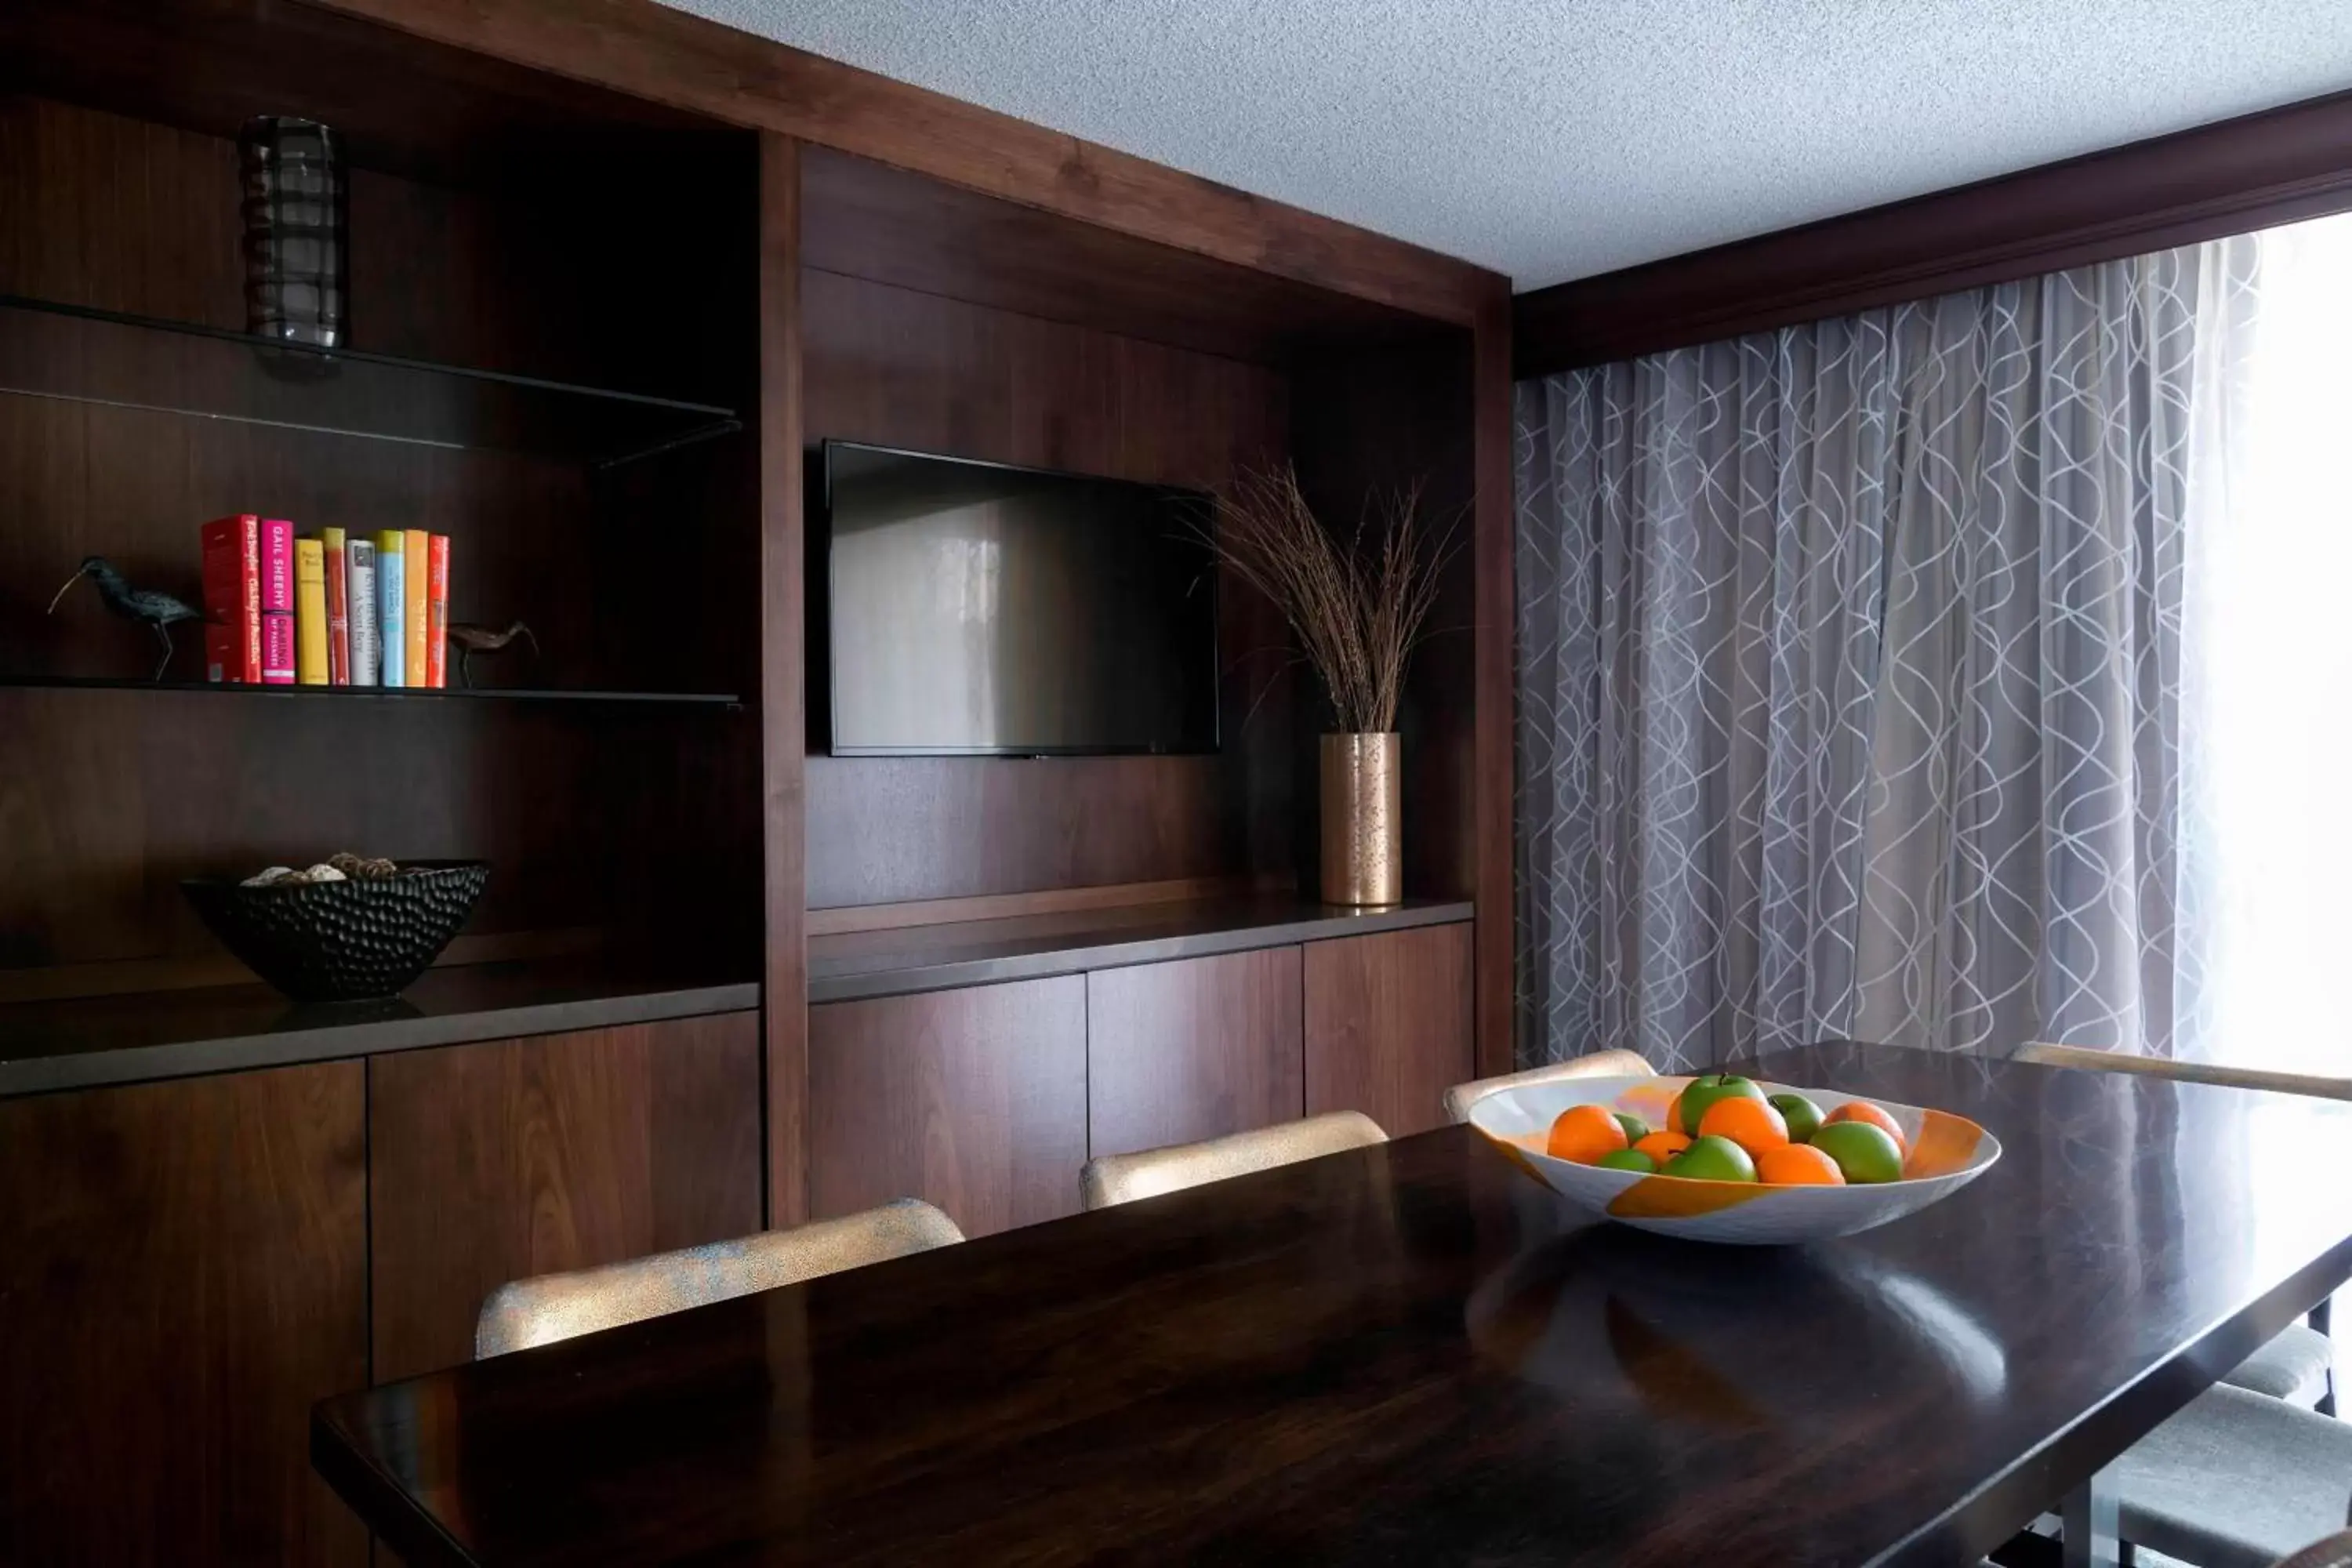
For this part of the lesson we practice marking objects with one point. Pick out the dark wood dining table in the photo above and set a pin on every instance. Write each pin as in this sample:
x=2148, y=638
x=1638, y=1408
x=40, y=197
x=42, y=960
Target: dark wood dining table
x=1414, y=1354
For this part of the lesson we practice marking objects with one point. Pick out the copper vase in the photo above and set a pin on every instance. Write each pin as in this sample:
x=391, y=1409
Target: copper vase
x=1363, y=819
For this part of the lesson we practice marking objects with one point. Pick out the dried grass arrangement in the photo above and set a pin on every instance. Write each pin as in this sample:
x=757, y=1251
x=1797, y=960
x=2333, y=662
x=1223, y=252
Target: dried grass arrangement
x=1358, y=605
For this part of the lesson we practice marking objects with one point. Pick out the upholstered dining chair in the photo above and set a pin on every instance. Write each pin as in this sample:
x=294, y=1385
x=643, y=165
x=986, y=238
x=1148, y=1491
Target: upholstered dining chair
x=2236, y=1479
x=1123, y=1178
x=1598, y=1064
x=2244, y=1474
x=2299, y=1364
x=551, y=1307
x=2336, y=1551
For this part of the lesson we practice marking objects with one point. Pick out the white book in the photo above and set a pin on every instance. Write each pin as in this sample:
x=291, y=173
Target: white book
x=359, y=596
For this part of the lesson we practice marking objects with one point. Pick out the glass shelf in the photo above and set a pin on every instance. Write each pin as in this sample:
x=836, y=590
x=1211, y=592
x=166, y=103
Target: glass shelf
x=364, y=693
x=78, y=354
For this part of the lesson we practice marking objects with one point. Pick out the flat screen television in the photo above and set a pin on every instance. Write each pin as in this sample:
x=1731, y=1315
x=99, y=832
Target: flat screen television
x=975, y=609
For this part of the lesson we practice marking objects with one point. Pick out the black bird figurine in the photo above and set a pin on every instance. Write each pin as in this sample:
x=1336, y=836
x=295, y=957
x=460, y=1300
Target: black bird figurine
x=472, y=639
x=142, y=604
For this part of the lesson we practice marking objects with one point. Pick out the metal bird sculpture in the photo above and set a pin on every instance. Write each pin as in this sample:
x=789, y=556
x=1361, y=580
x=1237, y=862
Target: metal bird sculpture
x=472, y=639
x=141, y=605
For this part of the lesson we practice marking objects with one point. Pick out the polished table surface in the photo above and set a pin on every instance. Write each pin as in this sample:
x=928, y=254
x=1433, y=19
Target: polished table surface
x=1413, y=1355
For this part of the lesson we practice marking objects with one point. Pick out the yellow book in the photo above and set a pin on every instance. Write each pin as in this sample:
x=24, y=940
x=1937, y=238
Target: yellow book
x=416, y=622
x=310, y=612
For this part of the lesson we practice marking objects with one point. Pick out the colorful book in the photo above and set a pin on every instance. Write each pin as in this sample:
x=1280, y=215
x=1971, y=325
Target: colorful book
x=276, y=601
x=338, y=606
x=392, y=605
x=232, y=547
x=417, y=569
x=310, y=612
x=367, y=653
x=436, y=612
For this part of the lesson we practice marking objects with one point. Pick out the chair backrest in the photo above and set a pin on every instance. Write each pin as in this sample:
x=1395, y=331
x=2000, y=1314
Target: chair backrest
x=1123, y=1178
x=2187, y=1072
x=1599, y=1064
x=2336, y=1551
x=551, y=1307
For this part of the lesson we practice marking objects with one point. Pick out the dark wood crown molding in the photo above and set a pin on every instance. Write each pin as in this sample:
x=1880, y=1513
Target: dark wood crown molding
x=2277, y=166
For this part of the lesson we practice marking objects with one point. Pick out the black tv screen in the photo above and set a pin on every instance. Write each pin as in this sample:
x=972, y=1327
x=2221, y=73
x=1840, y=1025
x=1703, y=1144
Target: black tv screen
x=973, y=609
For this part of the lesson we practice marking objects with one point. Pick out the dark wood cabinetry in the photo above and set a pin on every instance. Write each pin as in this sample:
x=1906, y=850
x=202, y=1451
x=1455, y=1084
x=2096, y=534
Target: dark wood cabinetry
x=492, y=1162
x=182, y=1273
x=974, y=1100
x=1388, y=1025
x=1192, y=1049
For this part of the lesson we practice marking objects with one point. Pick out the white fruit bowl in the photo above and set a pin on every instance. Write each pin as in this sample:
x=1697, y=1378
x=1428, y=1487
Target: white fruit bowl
x=1943, y=1154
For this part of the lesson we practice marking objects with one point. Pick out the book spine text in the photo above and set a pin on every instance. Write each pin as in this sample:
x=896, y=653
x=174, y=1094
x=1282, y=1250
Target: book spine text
x=436, y=612
x=392, y=606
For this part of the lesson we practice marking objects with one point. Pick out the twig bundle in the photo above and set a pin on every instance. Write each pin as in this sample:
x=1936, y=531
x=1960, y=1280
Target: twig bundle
x=1359, y=606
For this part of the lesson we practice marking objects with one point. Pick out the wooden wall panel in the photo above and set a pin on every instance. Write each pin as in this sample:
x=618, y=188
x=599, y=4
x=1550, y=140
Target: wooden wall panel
x=783, y=686
x=1192, y=1049
x=119, y=794
x=974, y=1100
x=185, y=1273
x=1369, y=424
x=670, y=58
x=511, y=1158
x=1388, y=1025
x=887, y=365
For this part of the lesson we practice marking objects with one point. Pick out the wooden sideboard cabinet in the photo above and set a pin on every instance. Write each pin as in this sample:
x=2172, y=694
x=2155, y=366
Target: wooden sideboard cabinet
x=182, y=1273
x=187, y=1266
x=1388, y=1025
x=987, y=1099
x=1197, y=1048
x=504, y=1159
x=974, y=1099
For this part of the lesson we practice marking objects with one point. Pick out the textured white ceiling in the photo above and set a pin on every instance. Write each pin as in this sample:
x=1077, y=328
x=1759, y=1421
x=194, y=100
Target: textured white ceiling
x=1553, y=139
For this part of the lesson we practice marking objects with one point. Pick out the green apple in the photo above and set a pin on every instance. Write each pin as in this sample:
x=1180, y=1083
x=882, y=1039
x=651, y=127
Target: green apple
x=1636, y=1128
x=1865, y=1153
x=1803, y=1117
x=1703, y=1091
x=1712, y=1159
x=1627, y=1159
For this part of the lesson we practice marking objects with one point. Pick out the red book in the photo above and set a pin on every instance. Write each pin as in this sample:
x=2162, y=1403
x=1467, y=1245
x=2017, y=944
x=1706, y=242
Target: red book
x=277, y=602
x=232, y=598
x=339, y=611
x=436, y=612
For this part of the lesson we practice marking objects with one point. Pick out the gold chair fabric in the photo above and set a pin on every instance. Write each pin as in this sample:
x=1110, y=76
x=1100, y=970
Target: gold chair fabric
x=551, y=1307
x=2187, y=1072
x=1599, y=1064
x=1123, y=1178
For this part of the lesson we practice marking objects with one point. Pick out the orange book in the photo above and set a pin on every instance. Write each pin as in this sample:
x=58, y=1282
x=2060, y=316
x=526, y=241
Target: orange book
x=414, y=547
x=436, y=611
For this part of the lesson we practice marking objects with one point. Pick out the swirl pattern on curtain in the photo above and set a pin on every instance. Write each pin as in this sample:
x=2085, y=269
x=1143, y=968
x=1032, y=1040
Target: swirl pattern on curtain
x=1850, y=671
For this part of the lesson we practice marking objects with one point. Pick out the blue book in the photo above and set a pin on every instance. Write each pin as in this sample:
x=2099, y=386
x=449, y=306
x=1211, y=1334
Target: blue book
x=391, y=607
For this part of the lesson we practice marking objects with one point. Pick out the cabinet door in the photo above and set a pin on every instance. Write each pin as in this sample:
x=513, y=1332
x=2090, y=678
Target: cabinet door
x=1388, y=1025
x=974, y=1100
x=1197, y=1048
x=511, y=1158
x=183, y=1274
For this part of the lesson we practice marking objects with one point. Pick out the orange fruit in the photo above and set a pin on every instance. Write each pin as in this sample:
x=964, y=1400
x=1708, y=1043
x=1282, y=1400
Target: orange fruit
x=1750, y=1123
x=1585, y=1132
x=1795, y=1165
x=1663, y=1146
x=1862, y=1111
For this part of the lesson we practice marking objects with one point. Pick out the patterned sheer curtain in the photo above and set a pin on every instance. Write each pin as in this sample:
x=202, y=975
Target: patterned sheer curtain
x=1852, y=676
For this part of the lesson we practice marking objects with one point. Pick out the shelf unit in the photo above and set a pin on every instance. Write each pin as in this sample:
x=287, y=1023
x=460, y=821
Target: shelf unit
x=112, y=359
x=368, y=693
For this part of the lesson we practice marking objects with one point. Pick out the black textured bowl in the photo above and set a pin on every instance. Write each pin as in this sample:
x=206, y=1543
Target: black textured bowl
x=342, y=942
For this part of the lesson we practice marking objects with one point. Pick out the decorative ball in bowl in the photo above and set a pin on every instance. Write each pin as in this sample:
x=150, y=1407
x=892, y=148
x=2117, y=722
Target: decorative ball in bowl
x=350, y=939
x=1729, y=1158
